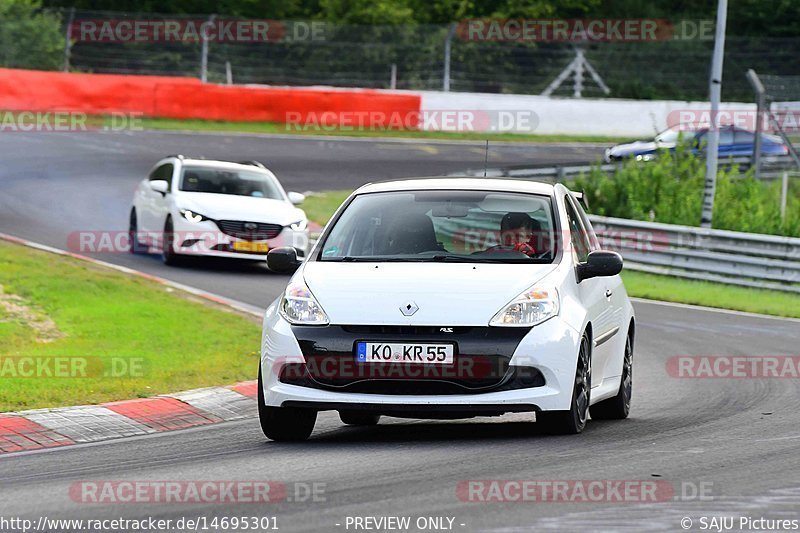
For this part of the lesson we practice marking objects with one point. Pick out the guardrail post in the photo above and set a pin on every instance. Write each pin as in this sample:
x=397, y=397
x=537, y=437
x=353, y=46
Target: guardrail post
x=448, y=44
x=784, y=194
x=68, y=39
x=204, y=53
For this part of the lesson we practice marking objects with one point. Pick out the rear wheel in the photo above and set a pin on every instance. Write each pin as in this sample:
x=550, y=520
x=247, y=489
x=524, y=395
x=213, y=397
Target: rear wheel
x=573, y=421
x=136, y=246
x=354, y=418
x=619, y=406
x=284, y=424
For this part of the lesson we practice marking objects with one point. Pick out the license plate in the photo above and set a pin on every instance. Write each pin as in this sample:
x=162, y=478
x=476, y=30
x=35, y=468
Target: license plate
x=245, y=246
x=391, y=352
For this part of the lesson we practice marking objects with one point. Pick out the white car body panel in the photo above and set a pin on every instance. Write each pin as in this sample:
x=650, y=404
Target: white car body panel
x=462, y=294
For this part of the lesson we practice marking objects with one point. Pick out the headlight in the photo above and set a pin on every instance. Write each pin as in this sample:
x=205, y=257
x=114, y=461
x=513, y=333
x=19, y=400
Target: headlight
x=191, y=216
x=298, y=306
x=530, y=308
x=299, y=226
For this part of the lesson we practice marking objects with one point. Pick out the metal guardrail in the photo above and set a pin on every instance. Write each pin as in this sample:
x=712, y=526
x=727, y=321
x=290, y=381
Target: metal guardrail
x=772, y=168
x=746, y=259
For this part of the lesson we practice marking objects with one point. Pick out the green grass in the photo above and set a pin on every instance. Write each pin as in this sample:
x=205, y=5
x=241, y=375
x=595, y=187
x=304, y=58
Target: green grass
x=320, y=207
x=720, y=295
x=179, y=342
x=284, y=129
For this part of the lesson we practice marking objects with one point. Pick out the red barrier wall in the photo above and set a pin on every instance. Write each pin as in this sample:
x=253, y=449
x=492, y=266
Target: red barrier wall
x=169, y=97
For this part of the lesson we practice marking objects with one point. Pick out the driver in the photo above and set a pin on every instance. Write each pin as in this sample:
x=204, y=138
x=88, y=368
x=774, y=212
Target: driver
x=520, y=231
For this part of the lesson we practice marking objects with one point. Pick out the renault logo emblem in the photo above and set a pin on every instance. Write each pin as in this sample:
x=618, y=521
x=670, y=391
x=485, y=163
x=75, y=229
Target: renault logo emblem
x=409, y=308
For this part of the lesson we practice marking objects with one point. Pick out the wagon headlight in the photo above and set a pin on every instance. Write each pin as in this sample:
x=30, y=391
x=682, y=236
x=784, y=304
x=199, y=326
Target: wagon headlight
x=191, y=216
x=298, y=306
x=530, y=308
x=299, y=226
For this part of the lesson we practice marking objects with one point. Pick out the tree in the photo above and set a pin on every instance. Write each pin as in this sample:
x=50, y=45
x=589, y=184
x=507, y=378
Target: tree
x=29, y=38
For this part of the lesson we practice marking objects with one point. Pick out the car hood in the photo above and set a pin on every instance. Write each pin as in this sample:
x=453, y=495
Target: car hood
x=233, y=207
x=637, y=148
x=447, y=294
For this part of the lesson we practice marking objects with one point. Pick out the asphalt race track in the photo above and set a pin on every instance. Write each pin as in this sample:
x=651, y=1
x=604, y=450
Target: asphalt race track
x=54, y=184
x=738, y=439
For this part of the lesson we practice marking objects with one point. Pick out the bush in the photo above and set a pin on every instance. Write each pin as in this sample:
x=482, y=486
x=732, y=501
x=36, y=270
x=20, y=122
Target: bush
x=29, y=37
x=670, y=190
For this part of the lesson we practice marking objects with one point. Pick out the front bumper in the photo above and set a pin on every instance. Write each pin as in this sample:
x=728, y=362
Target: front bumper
x=206, y=239
x=550, y=348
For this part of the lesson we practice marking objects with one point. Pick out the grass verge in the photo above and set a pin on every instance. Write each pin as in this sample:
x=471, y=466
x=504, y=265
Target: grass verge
x=321, y=206
x=285, y=129
x=125, y=337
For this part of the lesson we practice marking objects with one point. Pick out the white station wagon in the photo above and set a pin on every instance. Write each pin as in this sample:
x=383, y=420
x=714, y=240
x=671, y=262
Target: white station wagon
x=449, y=298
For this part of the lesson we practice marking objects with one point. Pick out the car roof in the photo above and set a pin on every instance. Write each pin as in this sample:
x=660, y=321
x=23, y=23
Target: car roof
x=214, y=163
x=459, y=183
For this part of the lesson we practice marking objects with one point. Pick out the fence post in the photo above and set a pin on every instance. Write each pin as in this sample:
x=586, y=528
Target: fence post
x=758, y=88
x=393, y=77
x=228, y=73
x=784, y=194
x=715, y=92
x=448, y=44
x=68, y=39
x=204, y=54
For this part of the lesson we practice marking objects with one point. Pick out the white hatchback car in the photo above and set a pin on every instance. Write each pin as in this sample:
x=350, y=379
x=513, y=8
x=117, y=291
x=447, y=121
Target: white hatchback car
x=214, y=208
x=449, y=298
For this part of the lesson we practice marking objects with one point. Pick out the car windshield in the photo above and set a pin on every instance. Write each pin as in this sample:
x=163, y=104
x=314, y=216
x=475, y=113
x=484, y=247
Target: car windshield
x=452, y=225
x=226, y=181
x=672, y=135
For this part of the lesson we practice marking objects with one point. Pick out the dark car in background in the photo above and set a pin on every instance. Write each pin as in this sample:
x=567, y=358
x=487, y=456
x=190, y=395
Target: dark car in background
x=733, y=142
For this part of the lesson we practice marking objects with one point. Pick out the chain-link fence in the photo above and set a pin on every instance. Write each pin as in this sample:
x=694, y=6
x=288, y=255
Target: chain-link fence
x=404, y=57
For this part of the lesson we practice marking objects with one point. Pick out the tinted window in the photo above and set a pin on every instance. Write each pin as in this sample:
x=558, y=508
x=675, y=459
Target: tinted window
x=743, y=137
x=578, y=236
x=162, y=172
x=460, y=226
x=225, y=181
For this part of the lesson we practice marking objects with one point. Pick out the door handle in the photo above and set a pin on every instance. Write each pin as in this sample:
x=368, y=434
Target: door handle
x=608, y=293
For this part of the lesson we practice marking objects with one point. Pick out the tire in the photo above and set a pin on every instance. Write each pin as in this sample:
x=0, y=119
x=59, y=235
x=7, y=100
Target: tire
x=136, y=246
x=618, y=407
x=573, y=421
x=354, y=418
x=168, y=254
x=284, y=424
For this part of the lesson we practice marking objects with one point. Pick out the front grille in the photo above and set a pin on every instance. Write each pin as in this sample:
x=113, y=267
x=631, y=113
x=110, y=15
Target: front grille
x=249, y=231
x=482, y=356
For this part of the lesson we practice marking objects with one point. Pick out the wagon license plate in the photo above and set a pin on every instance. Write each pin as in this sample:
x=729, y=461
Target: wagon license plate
x=246, y=246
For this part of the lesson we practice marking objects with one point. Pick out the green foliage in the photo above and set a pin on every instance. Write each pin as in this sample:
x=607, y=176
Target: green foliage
x=29, y=37
x=670, y=190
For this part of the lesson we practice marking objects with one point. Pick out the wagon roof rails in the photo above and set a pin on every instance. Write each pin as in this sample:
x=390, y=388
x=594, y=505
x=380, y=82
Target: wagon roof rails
x=252, y=162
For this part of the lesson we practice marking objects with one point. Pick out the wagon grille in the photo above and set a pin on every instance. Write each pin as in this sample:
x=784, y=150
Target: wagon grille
x=249, y=231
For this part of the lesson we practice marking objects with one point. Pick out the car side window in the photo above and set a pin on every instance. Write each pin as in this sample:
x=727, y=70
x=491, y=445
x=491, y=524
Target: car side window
x=577, y=234
x=162, y=172
x=594, y=243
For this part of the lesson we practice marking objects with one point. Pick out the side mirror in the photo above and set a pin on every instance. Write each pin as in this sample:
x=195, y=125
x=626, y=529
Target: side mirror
x=296, y=197
x=283, y=260
x=160, y=186
x=601, y=263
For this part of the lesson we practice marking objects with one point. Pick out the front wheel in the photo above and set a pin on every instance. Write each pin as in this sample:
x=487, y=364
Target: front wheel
x=284, y=424
x=618, y=407
x=168, y=254
x=573, y=421
x=136, y=246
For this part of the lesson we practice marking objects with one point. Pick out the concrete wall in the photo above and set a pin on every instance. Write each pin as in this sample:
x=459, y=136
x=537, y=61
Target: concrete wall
x=566, y=116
